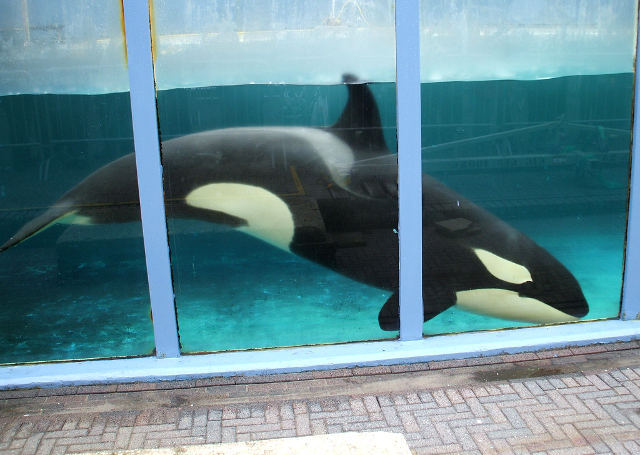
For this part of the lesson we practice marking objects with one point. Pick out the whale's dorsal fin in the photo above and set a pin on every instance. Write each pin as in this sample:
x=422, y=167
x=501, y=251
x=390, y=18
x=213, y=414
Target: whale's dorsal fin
x=359, y=124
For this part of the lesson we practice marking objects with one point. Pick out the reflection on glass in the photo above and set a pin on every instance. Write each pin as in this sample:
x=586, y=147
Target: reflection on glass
x=526, y=135
x=282, y=203
x=73, y=284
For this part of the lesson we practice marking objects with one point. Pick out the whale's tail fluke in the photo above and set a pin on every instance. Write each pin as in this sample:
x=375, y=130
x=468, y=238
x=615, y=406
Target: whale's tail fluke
x=50, y=217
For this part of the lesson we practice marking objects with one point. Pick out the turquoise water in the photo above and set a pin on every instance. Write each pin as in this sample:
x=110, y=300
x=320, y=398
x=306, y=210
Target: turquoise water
x=80, y=291
x=257, y=295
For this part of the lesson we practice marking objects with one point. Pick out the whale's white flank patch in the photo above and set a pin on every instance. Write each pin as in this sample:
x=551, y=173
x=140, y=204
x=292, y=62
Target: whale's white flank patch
x=268, y=217
x=502, y=268
x=504, y=304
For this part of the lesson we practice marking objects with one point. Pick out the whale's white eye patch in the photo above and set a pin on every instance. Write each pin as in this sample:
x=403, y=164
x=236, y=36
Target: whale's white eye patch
x=268, y=217
x=502, y=268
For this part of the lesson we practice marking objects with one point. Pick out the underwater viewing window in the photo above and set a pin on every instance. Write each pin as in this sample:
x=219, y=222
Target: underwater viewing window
x=526, y=118
x=77, y=289
x=279, y=136
x=280, y=172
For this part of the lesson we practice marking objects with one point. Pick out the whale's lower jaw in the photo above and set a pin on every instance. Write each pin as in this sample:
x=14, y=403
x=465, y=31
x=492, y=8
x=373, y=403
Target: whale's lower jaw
x=505, y=304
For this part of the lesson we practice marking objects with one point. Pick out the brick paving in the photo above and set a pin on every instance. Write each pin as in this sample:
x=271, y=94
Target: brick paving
x=567, y=401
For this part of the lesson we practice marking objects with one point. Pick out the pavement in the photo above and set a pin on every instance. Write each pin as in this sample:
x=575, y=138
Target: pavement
x=582, y=400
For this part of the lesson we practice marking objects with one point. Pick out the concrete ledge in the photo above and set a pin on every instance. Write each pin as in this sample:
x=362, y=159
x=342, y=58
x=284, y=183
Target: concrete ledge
x=378, y=443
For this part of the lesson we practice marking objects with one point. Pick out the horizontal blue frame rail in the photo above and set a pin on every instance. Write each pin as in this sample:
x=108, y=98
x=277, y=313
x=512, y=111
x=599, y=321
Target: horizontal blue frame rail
x=149, y=167
x=248, y=363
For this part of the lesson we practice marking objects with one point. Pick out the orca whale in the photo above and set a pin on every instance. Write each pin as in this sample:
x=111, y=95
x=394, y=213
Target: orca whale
x=330, y=195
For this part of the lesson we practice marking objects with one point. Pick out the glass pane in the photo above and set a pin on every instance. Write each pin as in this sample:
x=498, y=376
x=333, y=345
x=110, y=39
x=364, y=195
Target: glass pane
x=72, y=270
x=280, y=172
x=526, y=136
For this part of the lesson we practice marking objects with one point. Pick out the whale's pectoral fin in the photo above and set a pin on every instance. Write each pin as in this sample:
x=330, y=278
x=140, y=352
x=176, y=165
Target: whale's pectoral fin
x=435, y=301
x=389, y=316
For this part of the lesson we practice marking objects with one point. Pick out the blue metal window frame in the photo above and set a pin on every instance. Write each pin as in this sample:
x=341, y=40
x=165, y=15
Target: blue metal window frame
x=409, y=167
x=149, y=168
x=168, y=364
x=630, y=308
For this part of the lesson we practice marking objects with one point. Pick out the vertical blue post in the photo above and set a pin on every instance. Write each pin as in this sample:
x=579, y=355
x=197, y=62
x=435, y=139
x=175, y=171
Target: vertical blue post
x=409, y=166
x=149, y=167
x=631, y=287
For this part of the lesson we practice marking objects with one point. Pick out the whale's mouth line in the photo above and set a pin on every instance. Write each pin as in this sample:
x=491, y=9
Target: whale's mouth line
x=506, y=304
